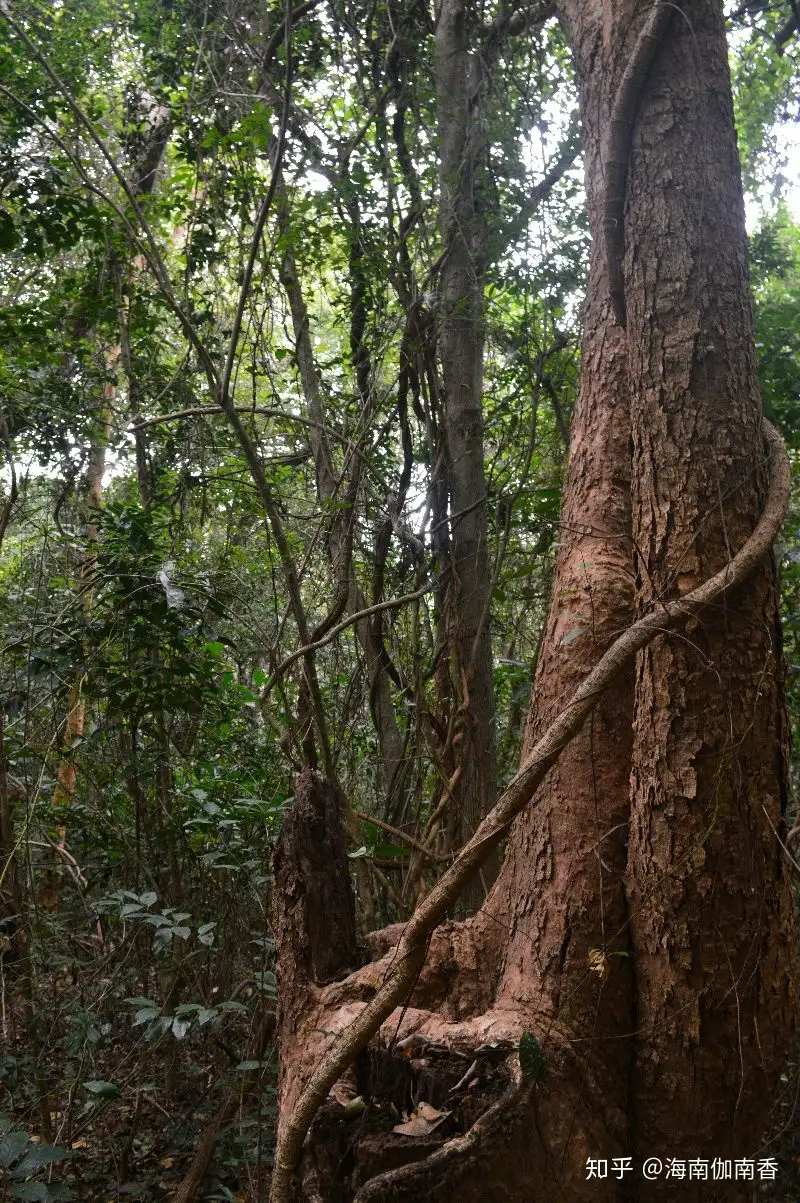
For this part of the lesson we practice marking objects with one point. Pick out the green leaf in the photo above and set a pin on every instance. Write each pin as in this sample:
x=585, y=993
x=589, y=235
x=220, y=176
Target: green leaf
x=31, y=1190
x=38, y=1155
x=144, y=1016
x=531, y=1059
x=267, y=982
x=12, y=1146
x=54, y=1192
x=103, y=1090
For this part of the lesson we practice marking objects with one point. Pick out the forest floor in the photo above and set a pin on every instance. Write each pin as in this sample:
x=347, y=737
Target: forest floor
x=138, y=1141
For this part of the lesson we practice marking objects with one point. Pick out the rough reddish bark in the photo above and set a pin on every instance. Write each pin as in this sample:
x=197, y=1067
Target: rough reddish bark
x=641, y=926
x=711, y=917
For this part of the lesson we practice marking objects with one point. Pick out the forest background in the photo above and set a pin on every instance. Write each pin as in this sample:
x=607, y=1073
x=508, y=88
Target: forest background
x=228, y=551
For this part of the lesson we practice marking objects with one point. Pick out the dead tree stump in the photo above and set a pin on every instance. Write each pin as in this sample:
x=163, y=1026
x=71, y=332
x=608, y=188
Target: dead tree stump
x=315, y=910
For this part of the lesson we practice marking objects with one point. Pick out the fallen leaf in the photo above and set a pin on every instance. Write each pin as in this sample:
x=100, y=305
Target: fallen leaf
x=430, y=1113
x=424, y=1120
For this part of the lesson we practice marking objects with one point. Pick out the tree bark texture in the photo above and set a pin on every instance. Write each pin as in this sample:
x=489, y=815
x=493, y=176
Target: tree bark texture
x=467, y=594
x=711, y=921
x=641, y=927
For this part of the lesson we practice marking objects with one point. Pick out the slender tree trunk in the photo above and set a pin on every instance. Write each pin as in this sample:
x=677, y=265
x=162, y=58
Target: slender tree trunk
x=157, y=124
x=11, y=898
x=468, y=577
x=67, y=771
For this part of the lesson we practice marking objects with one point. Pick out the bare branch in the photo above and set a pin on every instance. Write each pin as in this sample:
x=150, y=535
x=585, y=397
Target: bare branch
x=401, y=835
x=279, y=36
x=264, y=411
x=539, y=193
x=392, y=604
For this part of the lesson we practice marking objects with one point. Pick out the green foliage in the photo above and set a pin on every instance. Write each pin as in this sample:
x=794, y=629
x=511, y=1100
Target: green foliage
x=165, y=612
x=775, y=273
x=765, y=85
x=21, y=1159
x=531, y=1059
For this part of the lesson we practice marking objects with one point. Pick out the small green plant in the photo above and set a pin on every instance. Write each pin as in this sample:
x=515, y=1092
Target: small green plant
x=169, y=924
x=22, y=1158
x=159, y=1024
x=531, y=1059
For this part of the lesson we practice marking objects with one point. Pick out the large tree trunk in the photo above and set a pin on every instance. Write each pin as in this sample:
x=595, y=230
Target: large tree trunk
x=710, y=913
x=641, y=927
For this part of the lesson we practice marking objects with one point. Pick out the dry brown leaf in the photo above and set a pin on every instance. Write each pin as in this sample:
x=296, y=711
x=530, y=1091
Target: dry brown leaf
x=424, y=1120
x=599, y=963
x=430, y=1113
